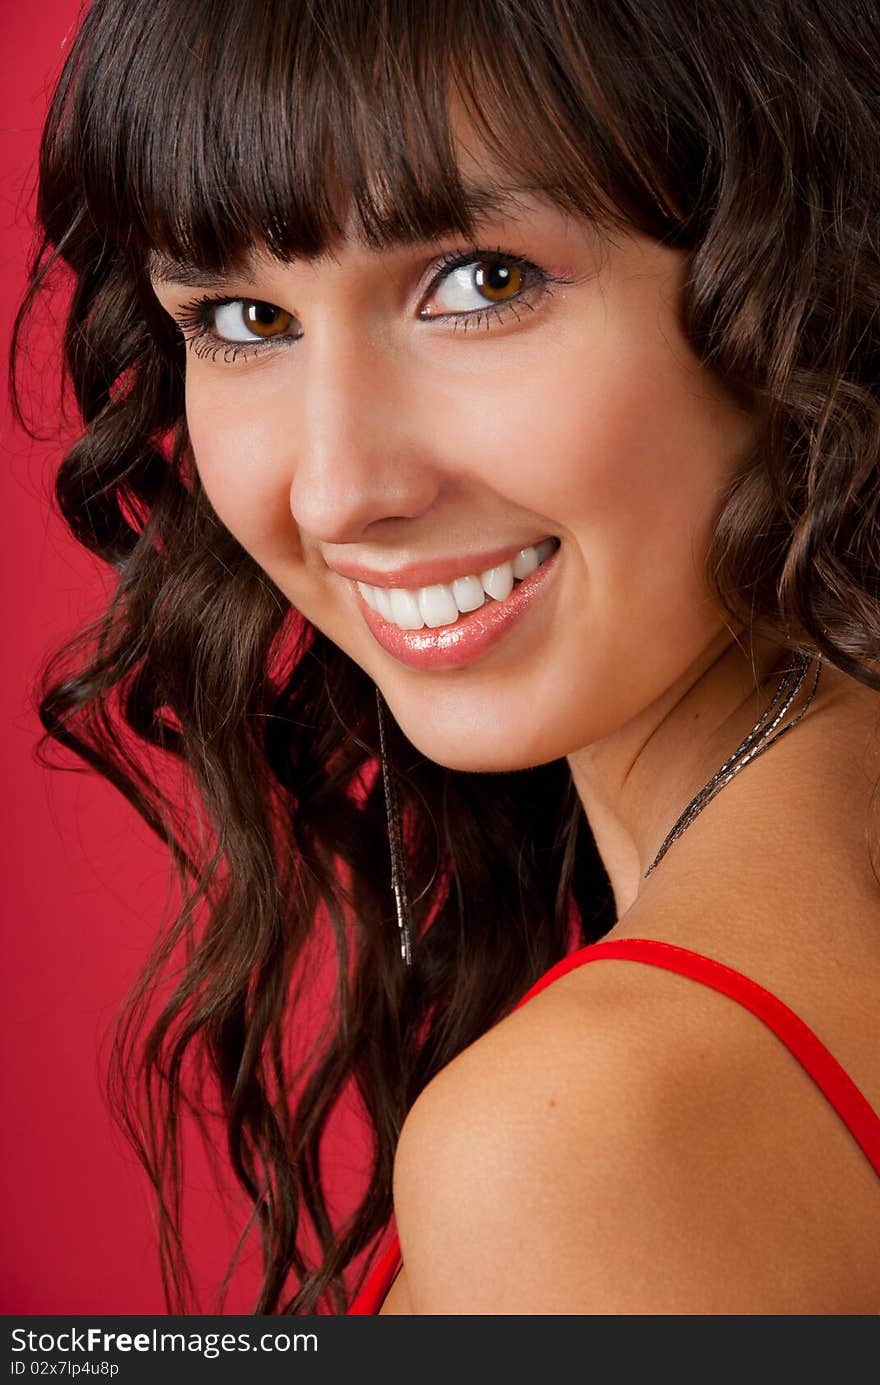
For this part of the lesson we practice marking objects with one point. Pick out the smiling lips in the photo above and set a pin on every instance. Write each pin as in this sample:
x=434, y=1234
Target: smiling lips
x=429, y=629
x=443, y=603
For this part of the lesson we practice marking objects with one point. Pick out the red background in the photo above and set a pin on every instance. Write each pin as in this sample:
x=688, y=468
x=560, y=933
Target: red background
x=85, y=880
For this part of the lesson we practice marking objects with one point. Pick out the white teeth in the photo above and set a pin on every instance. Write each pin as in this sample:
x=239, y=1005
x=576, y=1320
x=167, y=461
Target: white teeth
x=468, y=593
x=441, y=603
x=541, y=550
x=382, y=601
x=525, y=563
x=437, y=605
x=405, y=609
x=498, y=581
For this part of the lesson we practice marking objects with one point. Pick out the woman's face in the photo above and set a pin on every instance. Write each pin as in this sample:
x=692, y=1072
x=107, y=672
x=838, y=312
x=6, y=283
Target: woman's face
x=364, y=429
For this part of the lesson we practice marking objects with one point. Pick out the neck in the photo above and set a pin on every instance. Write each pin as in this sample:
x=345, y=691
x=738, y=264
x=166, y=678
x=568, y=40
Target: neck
x=635, y=782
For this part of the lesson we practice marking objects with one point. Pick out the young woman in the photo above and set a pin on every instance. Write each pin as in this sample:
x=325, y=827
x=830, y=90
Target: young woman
x=479, y=412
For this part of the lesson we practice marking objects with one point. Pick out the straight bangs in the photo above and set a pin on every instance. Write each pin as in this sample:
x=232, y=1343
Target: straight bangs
x=203, y=131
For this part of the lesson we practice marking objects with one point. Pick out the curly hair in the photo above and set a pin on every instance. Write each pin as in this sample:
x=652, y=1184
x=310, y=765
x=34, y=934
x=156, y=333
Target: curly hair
x=745, y=135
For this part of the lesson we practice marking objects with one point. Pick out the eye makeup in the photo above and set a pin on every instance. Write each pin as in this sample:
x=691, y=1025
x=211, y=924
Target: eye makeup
x=197, y=320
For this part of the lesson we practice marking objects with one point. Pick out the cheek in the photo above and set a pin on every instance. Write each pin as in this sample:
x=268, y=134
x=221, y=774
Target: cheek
x=626, y=441
x=244, y=466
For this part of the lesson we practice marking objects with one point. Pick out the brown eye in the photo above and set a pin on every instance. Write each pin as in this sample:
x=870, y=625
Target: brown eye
x=264, y=319
x=498, y=281
x=469, y=286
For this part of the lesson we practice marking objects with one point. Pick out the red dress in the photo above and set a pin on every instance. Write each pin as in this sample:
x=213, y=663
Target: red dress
x=858, y=1116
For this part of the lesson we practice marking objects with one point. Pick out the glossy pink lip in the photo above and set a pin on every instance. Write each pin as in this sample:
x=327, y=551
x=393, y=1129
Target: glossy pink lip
x=433, y=570
x=452, y=646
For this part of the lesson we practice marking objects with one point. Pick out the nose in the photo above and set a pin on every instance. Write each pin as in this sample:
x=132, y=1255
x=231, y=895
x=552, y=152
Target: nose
x=361, y=450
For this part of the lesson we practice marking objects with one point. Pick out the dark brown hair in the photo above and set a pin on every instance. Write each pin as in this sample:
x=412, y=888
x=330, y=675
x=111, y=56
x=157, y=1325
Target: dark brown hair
x=744, y=133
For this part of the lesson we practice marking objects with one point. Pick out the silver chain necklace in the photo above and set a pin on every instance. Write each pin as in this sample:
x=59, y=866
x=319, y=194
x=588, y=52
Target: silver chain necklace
x=756, y=742
x=762, y=735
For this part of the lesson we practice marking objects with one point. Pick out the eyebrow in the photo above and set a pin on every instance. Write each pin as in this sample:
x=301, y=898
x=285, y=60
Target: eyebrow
x=164, y=269
x=484, y=202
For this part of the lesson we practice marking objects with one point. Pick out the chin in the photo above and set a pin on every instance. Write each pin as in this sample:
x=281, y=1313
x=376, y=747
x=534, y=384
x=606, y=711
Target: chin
x=475, y=748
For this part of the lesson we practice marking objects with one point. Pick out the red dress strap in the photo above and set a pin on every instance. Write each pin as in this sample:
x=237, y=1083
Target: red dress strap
x=378, y=1281
x=851, y=1105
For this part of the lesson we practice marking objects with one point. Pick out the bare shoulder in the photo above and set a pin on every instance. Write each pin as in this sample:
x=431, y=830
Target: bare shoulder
x=630, y=1142
x=634, y=1142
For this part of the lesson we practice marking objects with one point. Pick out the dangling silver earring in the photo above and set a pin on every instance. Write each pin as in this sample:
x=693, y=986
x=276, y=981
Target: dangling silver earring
x=395, y=842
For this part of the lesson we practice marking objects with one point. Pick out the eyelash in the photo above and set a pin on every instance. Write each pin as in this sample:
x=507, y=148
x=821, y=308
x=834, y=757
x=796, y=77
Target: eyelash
x=194, y=319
